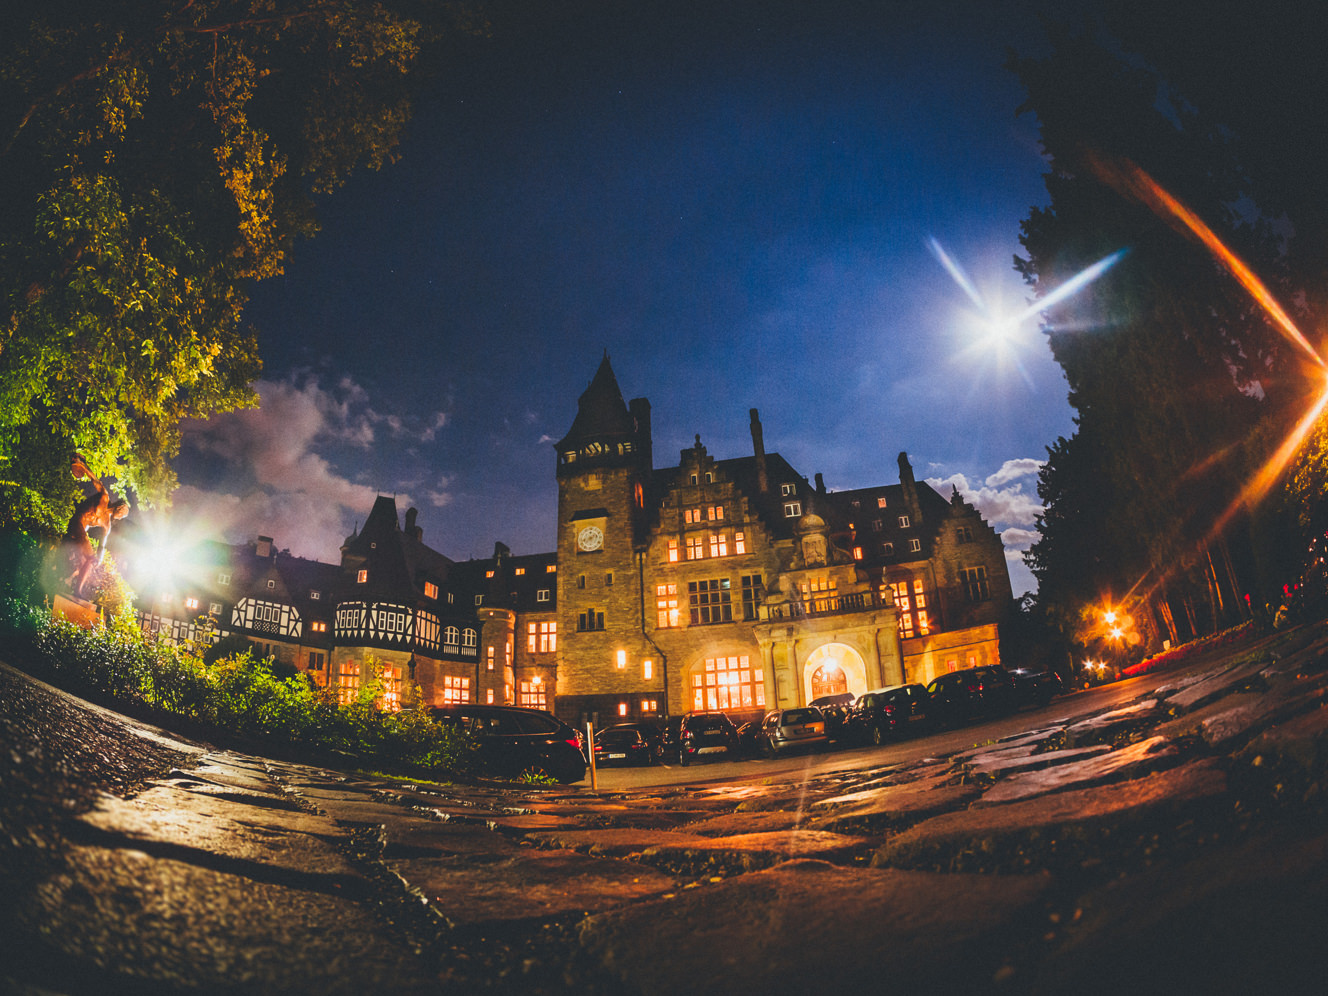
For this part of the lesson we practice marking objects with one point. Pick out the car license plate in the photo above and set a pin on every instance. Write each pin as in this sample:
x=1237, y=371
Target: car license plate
x=615, y=757
x=712, y=750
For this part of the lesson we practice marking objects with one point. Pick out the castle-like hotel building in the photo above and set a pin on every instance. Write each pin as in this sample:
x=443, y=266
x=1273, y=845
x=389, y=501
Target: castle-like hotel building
x=729, y=584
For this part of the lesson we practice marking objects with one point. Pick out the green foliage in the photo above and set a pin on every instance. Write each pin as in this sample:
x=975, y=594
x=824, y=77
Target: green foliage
x=1173, y=370
x=158, y=158
x=236, y=694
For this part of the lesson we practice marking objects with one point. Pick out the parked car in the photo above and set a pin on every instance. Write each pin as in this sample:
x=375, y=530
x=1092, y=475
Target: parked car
x=703, y=735
x=1036, y=688
x=749, y=735
x=792, y=729
x=511, y=741
x=835, y=710
x=973, y=693
x=890, y=713
x=627, y=743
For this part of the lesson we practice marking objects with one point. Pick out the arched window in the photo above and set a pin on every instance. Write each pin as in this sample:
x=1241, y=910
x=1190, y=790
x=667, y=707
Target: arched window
x=468, y=638
x=450, y=636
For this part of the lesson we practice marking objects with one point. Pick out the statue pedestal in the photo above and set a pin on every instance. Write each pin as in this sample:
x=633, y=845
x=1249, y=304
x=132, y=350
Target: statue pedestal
x=76, y=610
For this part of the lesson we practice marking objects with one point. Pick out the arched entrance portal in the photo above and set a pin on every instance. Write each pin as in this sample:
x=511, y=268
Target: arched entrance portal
x=832, y=670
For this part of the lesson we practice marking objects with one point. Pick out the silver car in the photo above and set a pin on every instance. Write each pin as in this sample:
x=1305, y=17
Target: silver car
x=792, y=729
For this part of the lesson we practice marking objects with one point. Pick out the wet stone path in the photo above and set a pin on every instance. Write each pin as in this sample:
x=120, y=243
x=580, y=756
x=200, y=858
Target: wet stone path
x=1184, y=827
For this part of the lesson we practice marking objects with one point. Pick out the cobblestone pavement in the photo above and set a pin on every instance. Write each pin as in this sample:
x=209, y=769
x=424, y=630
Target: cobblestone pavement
x=1176, y=841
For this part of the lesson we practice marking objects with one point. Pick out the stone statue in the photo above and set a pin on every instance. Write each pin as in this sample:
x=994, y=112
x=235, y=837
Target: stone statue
x=97, y=511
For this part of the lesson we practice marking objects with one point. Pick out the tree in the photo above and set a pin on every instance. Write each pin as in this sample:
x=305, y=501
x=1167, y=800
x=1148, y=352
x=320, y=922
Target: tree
x=159, y=157
x=1170, y=365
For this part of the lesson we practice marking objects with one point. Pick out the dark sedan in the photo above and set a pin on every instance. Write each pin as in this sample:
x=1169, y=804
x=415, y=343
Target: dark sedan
x=511, y=742
x=625, y=744
x=973, y=693
x=885, y=714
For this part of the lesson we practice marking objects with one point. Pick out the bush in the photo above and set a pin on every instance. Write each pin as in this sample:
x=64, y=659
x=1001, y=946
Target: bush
x=236, y=694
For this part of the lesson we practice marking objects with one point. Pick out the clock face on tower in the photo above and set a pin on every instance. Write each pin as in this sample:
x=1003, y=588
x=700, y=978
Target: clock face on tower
x=590, y=538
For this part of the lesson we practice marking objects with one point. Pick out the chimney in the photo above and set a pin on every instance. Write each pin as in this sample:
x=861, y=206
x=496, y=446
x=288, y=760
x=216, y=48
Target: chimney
x=758, y=447
x=820, y=483
x=640, y=409
x=910, y=489
x=263, y=547
x=413, y=531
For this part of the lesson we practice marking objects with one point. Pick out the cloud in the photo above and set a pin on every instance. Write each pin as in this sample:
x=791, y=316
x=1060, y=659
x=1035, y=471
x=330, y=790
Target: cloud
x=1014, y=469
x=293, y=492
x=1006, y=505
x=1018, y=540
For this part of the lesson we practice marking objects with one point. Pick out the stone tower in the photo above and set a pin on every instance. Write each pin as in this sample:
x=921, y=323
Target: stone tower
x=603, y=474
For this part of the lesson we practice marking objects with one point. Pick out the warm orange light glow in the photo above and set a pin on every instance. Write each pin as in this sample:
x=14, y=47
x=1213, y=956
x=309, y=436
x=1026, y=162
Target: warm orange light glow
x=1131, y=179
x=1110, y=616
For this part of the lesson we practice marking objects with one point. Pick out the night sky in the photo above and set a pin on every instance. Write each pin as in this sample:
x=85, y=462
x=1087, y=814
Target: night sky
x=738, y=201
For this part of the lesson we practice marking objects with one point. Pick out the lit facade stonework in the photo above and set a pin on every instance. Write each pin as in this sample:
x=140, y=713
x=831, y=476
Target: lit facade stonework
x=730, y=584
x=736, y=584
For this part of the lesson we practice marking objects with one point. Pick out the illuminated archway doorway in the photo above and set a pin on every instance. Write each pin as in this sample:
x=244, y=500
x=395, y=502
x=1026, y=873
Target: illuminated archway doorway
x=832, y=670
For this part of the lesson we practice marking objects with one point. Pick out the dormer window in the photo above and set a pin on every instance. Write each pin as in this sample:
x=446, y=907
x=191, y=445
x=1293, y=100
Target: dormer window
x=271, y=584
x=787, y=489
x=315, y=596
x=430, y=590
x=569, y=456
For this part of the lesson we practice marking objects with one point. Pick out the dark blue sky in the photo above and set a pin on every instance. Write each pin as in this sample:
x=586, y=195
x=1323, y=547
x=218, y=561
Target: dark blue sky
x=734, y=199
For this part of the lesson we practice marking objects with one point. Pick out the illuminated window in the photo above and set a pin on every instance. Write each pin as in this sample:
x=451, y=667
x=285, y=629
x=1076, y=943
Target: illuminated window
x=739, y=542
x=974, y=580
x=820, y=594
x=924, y=625
x=857, y=553
x=622, y=708
x=451, y=637
x=728, y=683
x=392, y=687
x=318, y=627
x=666, y=605
x=792, y=509
x=519, y=571
x=430, y=590
x=315, y=595
x=469, y=638
x=751, y=595
x=191, y=603
x=715, y=512
x=488, y=696
x=787, y=489
x=880, y=502
x=541, y=637
x=899, y=591
x=533, y=694
x=647, y=669
x=903, y=522
x=708, y=601
x=622, y=659
x=719, y=545
x=348, y=681
x=695, y=548
x=489, y=657
x=649, y=705
x=673, y=551
x=550, y=568
x=488, y=574
x=691, y=515
x=361, y=577
x=455, y=689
